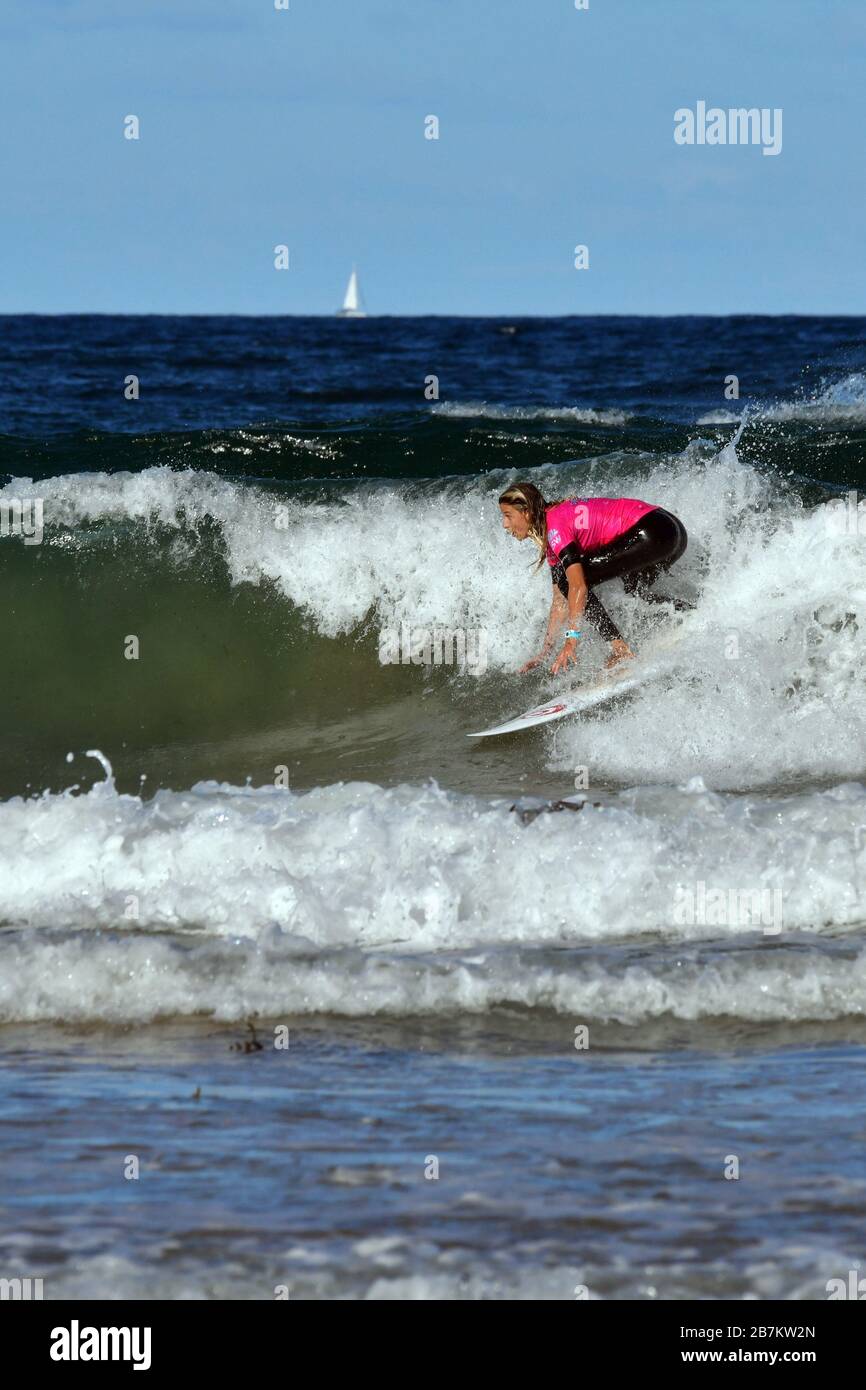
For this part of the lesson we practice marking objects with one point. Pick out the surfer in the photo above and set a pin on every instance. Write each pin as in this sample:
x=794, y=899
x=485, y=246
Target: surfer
x=587, y=540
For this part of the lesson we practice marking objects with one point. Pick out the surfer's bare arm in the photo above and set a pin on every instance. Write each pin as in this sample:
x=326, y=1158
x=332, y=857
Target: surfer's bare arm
x=558, y=610
x=577, y=595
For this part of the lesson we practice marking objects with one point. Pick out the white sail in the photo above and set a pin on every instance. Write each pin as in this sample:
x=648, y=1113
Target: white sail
x=352, y=302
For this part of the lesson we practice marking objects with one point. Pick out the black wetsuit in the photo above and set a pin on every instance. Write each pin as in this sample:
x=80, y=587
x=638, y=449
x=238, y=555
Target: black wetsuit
x=638, y=557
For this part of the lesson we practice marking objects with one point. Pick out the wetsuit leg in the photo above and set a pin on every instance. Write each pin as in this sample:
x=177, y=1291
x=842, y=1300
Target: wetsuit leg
x=595, y=612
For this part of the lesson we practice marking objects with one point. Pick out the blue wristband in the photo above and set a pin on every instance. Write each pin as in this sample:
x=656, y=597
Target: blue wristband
x=570, y=632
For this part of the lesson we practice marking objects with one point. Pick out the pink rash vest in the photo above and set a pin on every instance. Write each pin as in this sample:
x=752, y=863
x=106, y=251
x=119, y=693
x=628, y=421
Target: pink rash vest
x=589, y=523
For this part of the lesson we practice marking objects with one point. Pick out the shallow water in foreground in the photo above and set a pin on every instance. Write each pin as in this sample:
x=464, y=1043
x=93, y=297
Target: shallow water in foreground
x=305, y=1167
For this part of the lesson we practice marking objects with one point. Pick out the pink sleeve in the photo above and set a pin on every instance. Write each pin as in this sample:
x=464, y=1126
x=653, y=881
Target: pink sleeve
x=558, y=530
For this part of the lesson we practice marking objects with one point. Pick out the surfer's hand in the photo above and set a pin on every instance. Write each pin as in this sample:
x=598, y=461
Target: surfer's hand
x=530, y=665
x=567, y=657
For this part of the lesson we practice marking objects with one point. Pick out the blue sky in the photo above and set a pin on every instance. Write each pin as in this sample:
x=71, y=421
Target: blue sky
x=306, y=127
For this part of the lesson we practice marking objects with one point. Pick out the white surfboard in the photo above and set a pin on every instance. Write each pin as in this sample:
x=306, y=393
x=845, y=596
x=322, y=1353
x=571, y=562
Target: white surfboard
x=650, y=664
x=573, y=702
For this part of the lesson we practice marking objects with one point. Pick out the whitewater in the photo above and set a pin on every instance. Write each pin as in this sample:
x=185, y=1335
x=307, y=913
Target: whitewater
x=740, y=768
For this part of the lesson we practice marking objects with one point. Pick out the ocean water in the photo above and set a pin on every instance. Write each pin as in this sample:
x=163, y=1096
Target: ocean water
x=375, y=1012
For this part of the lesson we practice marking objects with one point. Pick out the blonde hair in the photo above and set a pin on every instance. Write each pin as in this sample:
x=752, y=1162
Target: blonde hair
x=527, y=498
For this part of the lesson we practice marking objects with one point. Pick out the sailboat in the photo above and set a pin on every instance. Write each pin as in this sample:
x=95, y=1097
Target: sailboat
x=351, y=304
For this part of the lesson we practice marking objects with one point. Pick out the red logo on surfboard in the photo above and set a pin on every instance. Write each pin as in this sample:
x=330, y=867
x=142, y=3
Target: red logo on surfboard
x=549, y=709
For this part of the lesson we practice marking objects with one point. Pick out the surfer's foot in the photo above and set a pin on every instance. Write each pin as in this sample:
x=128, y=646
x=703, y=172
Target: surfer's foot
x=621, y=651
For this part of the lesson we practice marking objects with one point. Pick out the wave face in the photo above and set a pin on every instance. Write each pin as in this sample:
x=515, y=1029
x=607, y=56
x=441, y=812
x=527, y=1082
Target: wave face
x=282, y=820
x=264, y=613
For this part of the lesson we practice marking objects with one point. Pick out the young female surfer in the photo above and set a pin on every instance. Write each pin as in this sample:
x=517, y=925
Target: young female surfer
x=587, y=540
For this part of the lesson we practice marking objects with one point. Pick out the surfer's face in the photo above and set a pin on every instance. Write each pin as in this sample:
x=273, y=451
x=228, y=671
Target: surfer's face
x=515, y=522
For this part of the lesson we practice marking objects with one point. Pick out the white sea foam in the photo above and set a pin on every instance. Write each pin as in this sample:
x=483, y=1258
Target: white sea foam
x=527, y=1270
x=769, y=684
x=840, y=402
x=228, y=901
x=719, y=417
x=579, y=415
x=834, y=403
